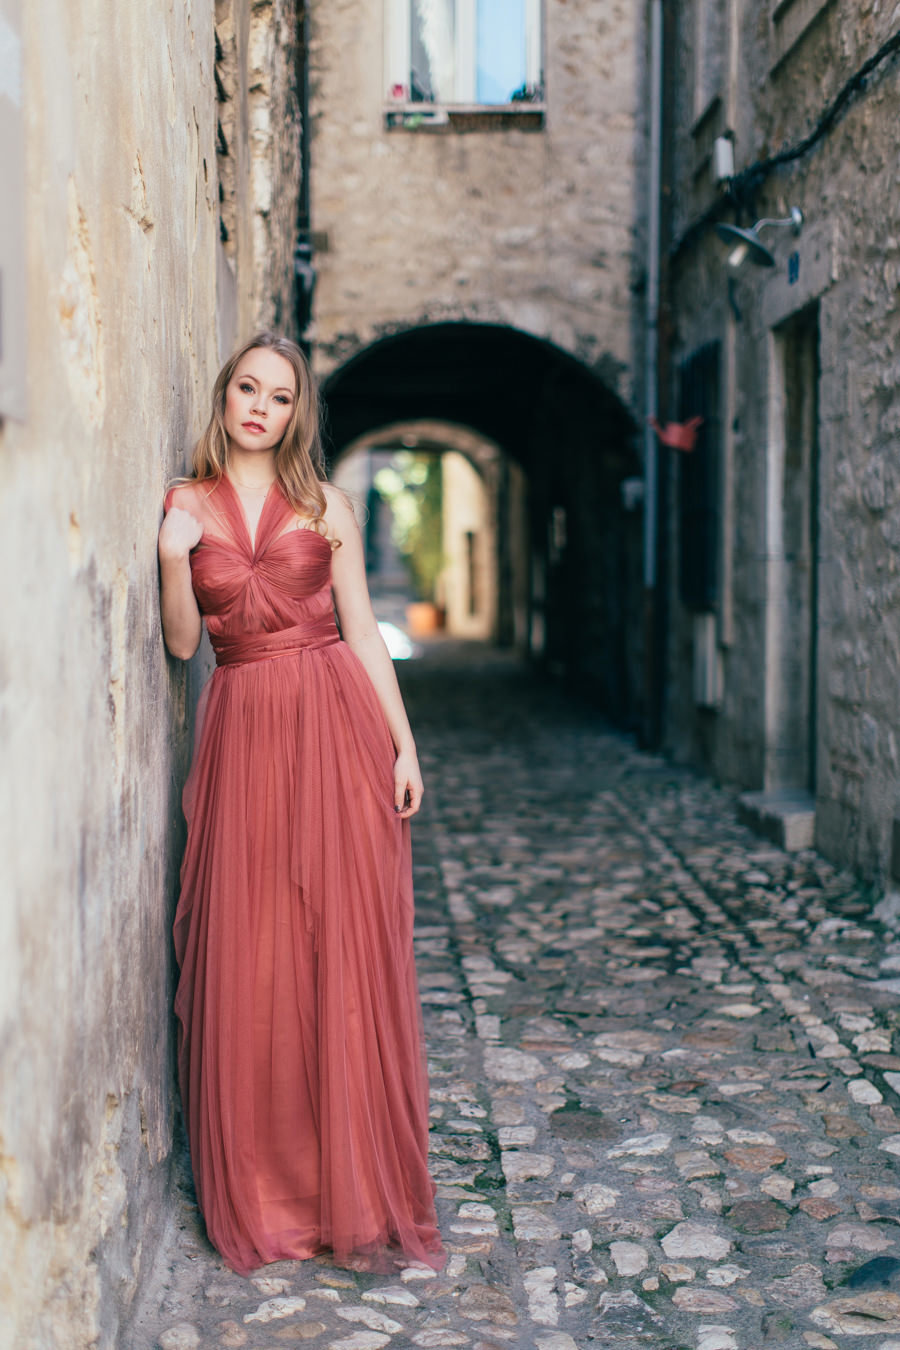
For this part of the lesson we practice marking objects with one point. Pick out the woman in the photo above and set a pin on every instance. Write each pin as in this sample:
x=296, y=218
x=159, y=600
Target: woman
x=300, y=1048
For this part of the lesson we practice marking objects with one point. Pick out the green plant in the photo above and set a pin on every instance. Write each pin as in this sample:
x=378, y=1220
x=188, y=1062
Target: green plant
x=412, y=487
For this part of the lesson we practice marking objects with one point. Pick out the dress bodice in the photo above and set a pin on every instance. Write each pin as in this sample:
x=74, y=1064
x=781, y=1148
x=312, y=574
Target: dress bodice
x=279, y=580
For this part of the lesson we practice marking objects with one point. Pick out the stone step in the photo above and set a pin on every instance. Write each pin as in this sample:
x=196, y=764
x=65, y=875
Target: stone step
x=786, y=817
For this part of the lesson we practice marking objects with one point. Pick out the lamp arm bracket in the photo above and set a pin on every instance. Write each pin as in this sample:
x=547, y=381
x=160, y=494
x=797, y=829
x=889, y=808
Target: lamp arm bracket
x=795, y=220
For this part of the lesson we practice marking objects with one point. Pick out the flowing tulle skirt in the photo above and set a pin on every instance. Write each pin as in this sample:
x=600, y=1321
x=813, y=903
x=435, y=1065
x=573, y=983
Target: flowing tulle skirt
x=300, y=1051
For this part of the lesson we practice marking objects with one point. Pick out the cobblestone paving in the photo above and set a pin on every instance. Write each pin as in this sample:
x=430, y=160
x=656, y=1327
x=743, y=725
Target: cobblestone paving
x=664, y=1070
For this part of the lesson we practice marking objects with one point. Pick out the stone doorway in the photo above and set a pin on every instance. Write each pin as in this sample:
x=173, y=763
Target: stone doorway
x=793, y=529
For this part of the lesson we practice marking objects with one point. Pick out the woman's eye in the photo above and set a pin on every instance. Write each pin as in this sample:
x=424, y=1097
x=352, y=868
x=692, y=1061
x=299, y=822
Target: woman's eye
x=282, y=398
x=246, y=388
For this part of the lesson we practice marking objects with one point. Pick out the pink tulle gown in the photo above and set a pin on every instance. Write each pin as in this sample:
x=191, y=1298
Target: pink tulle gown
x=300, y=1049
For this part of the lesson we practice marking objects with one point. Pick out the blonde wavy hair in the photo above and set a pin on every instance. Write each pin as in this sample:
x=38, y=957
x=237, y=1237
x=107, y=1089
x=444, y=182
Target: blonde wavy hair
x=299, y=461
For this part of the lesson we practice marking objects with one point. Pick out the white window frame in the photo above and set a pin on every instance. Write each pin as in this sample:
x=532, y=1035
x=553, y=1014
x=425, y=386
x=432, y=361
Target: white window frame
x=398, y=24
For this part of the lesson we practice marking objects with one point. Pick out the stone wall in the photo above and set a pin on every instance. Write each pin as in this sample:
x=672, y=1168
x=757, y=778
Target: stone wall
x=471, y=220
x=129, y=295
x=468, y=584
x=258, y=151
x=775, y=80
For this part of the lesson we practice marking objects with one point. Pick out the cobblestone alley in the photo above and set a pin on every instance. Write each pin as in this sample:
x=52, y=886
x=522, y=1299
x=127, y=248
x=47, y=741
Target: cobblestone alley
x=663, y=1069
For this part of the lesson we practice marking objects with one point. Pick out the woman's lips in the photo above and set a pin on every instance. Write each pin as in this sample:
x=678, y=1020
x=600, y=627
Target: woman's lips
x=252, y=426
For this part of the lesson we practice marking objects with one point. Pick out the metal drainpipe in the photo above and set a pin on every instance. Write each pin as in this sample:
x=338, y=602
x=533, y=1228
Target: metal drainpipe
x=304, y=269
x=303, y=209
x=652, y=673
x=651, y=351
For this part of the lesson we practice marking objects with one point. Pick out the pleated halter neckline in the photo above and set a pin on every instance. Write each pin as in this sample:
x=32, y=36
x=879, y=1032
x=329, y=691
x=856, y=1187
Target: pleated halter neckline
x=254, y=538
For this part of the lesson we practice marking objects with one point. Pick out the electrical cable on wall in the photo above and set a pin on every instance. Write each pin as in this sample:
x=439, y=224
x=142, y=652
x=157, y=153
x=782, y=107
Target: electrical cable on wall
x=744, y=185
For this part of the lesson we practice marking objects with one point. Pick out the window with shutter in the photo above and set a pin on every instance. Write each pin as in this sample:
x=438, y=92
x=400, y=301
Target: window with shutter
x=699, y=480
x=464, y=53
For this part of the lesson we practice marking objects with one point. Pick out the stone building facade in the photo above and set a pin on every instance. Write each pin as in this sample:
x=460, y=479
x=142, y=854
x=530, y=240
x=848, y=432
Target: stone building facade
x=475, y=259
x=781, y=529
x=523, y=215
x=156, y=156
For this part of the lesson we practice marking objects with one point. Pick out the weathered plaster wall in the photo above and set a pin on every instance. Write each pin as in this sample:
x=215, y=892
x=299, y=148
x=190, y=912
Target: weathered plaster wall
x=468, y=582
x=532, y=229
x=123, y=222
x=258, y=146
x=849, y=264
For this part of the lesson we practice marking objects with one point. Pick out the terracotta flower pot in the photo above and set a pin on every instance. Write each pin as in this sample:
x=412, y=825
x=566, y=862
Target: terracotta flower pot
x=423, y=617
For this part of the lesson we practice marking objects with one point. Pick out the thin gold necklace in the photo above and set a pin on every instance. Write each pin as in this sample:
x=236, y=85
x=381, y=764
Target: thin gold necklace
x=248, y=487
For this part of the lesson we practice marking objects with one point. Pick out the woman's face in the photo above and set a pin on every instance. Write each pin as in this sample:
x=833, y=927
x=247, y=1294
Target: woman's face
x=259, y=401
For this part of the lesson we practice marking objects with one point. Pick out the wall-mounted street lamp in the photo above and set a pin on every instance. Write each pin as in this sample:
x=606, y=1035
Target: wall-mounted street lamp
x=747, y=243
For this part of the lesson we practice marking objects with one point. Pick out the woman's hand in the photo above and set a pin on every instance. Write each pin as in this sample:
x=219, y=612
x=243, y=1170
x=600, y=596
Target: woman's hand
x=181, y=621
x=178, y=534
x=408, y=786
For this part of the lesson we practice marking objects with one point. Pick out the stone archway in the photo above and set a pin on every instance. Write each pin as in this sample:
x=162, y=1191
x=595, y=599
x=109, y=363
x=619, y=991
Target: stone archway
x=573, y=440
x=485, y=582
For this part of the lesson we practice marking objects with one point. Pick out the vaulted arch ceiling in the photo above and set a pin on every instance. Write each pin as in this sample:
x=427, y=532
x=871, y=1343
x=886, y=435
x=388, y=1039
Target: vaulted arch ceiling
x=498, y=380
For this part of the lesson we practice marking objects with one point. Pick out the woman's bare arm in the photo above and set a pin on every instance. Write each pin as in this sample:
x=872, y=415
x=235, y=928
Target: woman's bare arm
x=359, y=628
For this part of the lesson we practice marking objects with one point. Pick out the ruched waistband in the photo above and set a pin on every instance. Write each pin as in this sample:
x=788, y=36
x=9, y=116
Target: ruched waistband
x=245, y=648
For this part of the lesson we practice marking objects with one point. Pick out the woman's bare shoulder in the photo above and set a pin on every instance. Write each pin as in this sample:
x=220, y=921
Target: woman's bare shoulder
x=339, y=510
x=335, y=496
x=187, y=494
